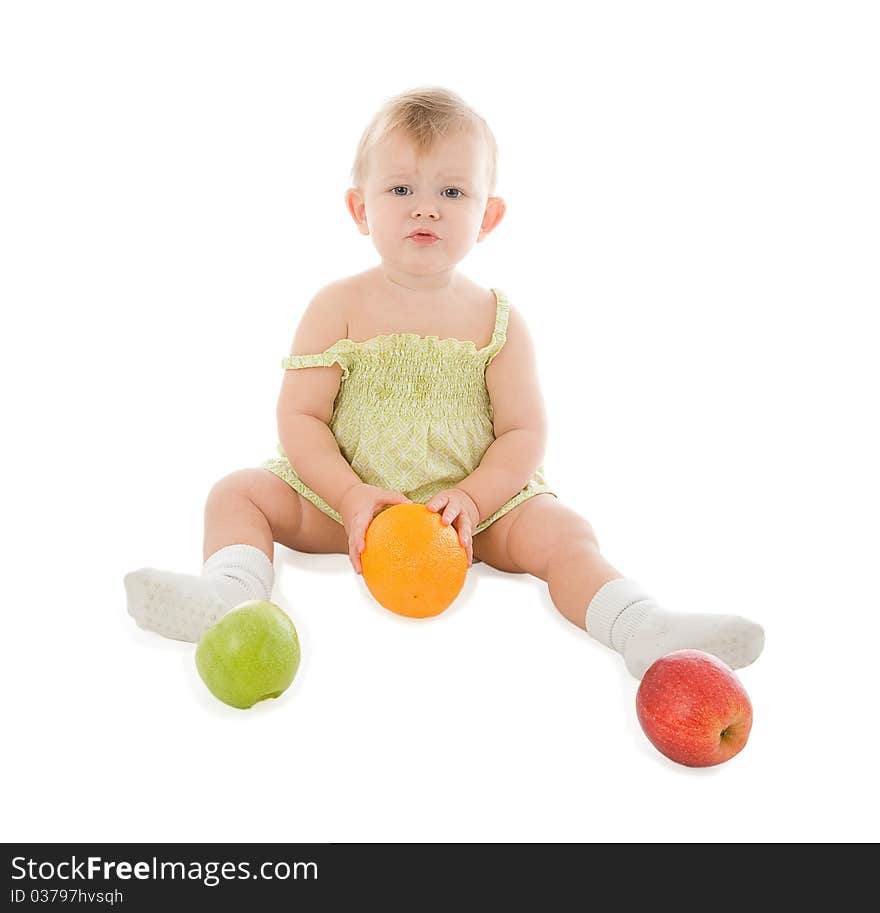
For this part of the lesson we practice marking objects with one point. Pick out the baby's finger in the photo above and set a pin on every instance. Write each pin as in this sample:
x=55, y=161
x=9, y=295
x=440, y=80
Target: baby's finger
x=436, y=502
x=466, y=539
x=451, y=513
x=354, y=551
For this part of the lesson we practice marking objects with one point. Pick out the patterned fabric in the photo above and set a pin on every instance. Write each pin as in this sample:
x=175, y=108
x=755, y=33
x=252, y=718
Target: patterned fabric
x=412, y=414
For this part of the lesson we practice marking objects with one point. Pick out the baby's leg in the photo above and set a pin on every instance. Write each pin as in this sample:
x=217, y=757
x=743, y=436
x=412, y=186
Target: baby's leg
x=246, y=512
x=545, y=538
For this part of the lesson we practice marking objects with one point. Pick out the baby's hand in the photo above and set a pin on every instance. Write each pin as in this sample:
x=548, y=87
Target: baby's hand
x=461, y=512
x=359, y=505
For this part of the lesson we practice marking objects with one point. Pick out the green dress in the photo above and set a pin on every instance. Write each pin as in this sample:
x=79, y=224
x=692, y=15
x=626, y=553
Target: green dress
x=412, y=414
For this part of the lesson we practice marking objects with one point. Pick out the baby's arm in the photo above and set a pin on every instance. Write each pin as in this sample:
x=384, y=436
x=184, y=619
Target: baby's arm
x=305, y=404
x=520, y=423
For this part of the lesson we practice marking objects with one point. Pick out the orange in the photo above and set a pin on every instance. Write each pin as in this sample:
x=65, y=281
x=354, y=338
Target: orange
x=413, y=564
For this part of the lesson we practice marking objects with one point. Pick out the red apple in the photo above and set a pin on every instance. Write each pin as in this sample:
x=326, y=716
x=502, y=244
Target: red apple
x=694, y=709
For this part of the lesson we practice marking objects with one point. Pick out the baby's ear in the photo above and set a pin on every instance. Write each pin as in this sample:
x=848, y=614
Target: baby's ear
x=495, y=209
x=354, y=203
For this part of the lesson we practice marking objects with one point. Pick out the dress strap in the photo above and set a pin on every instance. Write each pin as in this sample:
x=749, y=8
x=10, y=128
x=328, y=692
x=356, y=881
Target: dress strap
x=499, y=334
x=339, y=353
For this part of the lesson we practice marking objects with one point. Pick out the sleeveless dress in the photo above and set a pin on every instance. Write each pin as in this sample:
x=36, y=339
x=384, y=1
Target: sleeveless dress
x=412, y=414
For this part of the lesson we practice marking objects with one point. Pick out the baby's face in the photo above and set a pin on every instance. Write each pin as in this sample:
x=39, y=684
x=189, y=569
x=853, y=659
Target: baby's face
x=445, y=192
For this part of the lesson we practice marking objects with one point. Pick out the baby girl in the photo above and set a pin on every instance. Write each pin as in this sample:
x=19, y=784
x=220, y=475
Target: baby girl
x=410, y=383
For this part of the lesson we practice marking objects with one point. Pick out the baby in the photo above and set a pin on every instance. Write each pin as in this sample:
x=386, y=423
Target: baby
x=411, y=383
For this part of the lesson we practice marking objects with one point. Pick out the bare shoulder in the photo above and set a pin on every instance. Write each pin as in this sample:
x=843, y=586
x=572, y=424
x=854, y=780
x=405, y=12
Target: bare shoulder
x=517, y=320
x=324, y=320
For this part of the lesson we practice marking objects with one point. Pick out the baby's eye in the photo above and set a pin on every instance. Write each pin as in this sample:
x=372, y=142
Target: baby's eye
x=404, y=188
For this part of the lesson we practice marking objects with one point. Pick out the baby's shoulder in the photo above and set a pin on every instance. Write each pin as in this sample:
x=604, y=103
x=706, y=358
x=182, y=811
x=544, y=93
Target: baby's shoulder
x=324, y=320
x=331, y=302
x=336, y=296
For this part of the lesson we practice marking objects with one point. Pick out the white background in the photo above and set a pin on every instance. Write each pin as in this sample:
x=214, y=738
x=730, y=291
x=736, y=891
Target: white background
x=692, y=235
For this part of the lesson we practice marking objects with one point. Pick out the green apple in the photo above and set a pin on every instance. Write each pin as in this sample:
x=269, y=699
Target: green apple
x=251, y=654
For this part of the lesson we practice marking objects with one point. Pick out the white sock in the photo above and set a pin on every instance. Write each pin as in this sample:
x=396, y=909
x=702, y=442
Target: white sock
x=622, y=616
x=183, y=607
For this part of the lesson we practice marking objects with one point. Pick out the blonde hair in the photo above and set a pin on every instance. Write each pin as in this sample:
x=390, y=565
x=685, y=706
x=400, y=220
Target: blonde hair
x=423, y=115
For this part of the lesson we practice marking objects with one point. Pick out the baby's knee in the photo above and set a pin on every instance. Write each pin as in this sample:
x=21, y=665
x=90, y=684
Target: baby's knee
x=582, y=531
x=567, y=533
x=243, y=485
